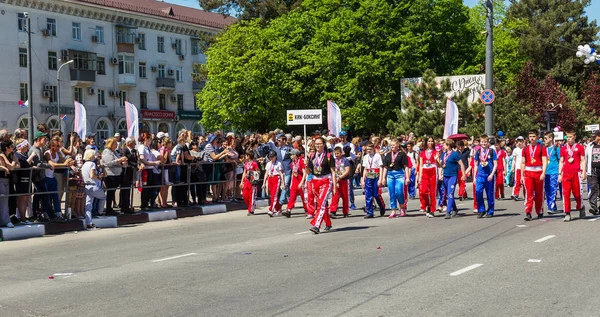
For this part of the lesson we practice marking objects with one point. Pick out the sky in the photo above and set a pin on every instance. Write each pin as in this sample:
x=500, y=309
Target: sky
x=593, y=11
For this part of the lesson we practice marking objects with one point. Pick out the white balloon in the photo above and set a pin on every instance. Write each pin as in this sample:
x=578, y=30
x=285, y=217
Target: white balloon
x=579, y=54
x=587, y=48
x=580, y=48
x=587, y=61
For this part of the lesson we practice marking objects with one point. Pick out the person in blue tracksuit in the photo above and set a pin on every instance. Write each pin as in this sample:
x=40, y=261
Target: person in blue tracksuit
x=451, y=161
x=372, y=172
x=551, y=181
x=486, y=163
x=395, y=170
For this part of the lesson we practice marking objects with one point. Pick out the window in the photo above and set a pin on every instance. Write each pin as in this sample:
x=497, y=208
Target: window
x=160, y=44
x=179, y=102
x=122, y=128
x=145, y=127
x=51, y=26
x=24, y=92
x=161, y=71
x=76, y=27
x=21, y=22
x=178, y=47
x=52, y=61
x=197, y=129
x=162, y=101
x=126, y=65
x=100, y=67
x=100, y=34
x=53, y=95
x=141, y=41
x=195, y=47
x=23, y=57
x=123, y=98
x=179, y=74
x=143, y=100
x=101, y=97
x=78, y=94
x=163, y=127
x=179, y=127
x=23, y=123
x=101, y=131
x=142, y=70
x=53, y=124
x=83, y=60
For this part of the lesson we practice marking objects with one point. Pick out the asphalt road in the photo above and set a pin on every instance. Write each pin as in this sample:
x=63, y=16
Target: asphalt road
x=234, y=265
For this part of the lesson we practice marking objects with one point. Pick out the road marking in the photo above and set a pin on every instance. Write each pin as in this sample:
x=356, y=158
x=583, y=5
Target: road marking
x=545, y=238
x=173, y=257
x=303, y=232
x=63, y=274
x=534, y=261
x=594, y=219
x=468, y=268
x=522, y=226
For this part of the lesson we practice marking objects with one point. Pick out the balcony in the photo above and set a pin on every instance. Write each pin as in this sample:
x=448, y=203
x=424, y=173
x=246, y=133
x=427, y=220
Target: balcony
x=126, y=39
x=165, y=84
x=83, y=77
x=126, y=81
x=198, y=86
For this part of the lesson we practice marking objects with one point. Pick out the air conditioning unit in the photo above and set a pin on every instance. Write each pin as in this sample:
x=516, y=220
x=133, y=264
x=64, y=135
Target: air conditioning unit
x=181, y=57
x=111, y=93
x=46, y=94
x=91, y=91
x=65, y=52
x=154, y=69
x=171, y=72
x=114, y=61
x=173, y=98
x=46, y=32
x=174, y=45
x=47, y=87
x=95, y=38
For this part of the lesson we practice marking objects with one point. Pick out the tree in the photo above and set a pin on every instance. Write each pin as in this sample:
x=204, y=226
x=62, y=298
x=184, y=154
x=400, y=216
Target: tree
x=265, y=10
x=591, y=93
x=549, y=33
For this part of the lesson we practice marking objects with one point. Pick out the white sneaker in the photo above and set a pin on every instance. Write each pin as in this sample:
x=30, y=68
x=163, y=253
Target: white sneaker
x=10, y=225
x=270, y=213
x=430, y=215
x=567, y=218
x=444, y=209
x=277, y=214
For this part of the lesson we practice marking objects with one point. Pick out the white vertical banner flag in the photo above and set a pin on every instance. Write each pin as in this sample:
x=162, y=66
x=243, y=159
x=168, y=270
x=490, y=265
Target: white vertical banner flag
x=133, y=123
x=80, y=122
x=451, y=126
x=334, y=118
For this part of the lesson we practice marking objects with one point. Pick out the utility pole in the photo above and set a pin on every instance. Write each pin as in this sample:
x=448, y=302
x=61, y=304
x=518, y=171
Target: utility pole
x=29, y=79
x=489, y=64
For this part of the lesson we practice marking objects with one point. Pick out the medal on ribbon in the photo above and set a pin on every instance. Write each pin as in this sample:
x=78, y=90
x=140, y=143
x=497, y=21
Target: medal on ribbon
x=446, y=157
x=570, y=152
x=428, y=154
x=483, y=157
x=532, y=153
x=319, y=161
x=393, y=159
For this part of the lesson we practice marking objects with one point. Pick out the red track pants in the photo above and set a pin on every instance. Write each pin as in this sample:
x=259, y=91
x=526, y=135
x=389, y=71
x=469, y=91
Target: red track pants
x=462, y=185
x=342, y=192
x=274, y=182
x=571, y=183
x=499, y=183
x=474, y=194
x=427, y=189
x=517, y=188
x=249, y=195
x=310, y=198
x=534, y=191
x=294, y=192
x=322, y=187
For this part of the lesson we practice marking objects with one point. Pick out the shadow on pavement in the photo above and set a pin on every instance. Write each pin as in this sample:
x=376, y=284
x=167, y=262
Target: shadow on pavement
x=353, y=228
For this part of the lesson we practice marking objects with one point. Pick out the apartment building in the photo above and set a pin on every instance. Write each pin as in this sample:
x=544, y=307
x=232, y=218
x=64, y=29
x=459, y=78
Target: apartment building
x=140, y=51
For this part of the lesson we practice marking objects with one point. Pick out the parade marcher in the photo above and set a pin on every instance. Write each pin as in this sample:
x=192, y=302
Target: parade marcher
x=372, y=173
x=342, y=171
x=352, y=159
x=273, y=182
x=413, y=156
x=395, y=172
x=250, y=180
x=592, y=155
x=517, y=158
x=533, y=166
x=501, y=171
x=296, y=183
x=486, y=164
x=427, y=178
x=464, y=153
x=571, y=171
x=309, y=192
x=551, y=180
x=451, y=161
x=322, y=167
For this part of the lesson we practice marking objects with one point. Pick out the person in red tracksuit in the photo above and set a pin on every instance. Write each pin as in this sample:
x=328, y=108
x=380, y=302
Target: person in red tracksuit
x=533, y=167
x=273, y=182
x=324, y=181
x=297, y=167
x=250, y=179
x=309, y=190
x=342, y=170
x=500, y=172
x=427, y=178
x=571, y=171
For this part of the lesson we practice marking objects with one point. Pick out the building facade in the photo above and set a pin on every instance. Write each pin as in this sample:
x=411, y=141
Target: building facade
x=140, y=51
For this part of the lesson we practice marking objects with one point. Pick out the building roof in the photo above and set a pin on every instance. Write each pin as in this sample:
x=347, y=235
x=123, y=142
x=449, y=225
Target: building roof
x=167, y=10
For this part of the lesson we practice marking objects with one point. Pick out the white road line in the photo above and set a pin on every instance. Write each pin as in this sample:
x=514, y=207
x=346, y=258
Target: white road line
x=594, y=219
x=174, y=257
x=303, y=232
x=468, y=268
x=534, y=261
x=62, y=274
x=545, y=238
x=522, y=226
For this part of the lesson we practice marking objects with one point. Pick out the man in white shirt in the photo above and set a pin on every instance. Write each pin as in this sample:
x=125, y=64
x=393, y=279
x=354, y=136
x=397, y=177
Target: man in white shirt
x=517, y=157
x=372, y=173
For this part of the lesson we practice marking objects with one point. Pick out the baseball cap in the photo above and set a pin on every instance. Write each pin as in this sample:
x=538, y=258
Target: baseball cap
x=280, y=135
x=117, y=134
x=343, y=133
x=161, y=135
x=520, y=138
x=39, y=134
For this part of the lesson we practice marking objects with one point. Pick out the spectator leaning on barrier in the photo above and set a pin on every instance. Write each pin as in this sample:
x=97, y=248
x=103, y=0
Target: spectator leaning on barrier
x=94, y=192
x=150, y=172
x=38, y=180
x=6, y=146
x=128, y=175
x=53, y=157
x=114, y=166
x=22, y=184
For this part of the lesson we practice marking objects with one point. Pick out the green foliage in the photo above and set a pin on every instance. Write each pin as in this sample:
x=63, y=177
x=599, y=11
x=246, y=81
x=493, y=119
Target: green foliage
x=249, y=9
x=350, y=51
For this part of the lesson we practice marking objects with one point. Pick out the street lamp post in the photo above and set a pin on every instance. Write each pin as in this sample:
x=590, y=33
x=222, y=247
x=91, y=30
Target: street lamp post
x=489, y=64
x=58, y=91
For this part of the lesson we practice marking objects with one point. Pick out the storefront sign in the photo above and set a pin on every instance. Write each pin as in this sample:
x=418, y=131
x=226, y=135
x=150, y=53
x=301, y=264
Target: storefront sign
x=189, y=115
x=54, y=109
x=158, y=114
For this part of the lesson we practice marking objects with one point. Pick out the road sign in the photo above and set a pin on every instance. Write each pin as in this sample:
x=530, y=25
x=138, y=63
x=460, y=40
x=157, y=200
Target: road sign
x=487, y=97
x=592, y=127
x=304, y=117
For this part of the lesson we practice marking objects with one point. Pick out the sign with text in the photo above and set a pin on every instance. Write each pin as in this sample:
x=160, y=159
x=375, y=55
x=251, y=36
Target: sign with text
x=158, y=114
x=304, y=117
x=473, y=83
x=592, y=127
x=559, y=135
